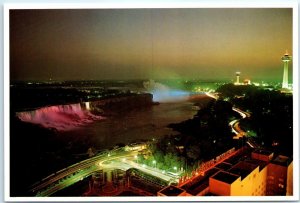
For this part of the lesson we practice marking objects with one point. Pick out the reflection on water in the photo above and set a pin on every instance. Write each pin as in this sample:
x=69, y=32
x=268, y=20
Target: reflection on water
x=143, y=123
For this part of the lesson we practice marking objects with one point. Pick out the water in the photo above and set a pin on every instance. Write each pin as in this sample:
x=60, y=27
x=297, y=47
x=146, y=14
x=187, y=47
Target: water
x=142, y=123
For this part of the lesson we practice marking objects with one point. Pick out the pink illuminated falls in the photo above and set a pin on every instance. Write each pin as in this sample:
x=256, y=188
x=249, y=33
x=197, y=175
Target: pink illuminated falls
x=61, y=117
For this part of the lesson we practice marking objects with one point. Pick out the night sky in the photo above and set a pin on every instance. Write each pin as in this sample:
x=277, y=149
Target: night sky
x=149, y=43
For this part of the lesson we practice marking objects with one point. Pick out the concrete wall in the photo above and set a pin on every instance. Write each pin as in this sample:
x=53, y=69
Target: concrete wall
x=289, y=184
x=219, y=188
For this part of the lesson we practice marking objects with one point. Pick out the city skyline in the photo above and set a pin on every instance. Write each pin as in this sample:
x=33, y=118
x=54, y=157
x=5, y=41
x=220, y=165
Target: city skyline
x=189, y=43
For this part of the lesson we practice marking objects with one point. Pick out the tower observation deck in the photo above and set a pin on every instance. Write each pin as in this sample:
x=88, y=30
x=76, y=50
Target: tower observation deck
x=285, y=59
x=237, y=74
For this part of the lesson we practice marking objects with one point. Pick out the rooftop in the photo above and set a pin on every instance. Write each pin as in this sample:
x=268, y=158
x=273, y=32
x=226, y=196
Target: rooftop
x=263, y=152
x=262, y=164
x=225, y=177
x=171, y=191
x=282, y=160
x=196, y=186
x=243, y=169
x=232, y=160
x=223, y=166
x=200, y=183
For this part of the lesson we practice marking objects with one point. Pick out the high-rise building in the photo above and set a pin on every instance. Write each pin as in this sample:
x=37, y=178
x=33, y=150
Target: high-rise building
x=248, y=173
x=286, y=59
x=280, y=176
x=246, y=178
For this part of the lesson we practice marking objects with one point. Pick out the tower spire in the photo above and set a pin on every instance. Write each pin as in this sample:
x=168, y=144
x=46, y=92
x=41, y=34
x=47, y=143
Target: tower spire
x=286, y=52
x=285, y=59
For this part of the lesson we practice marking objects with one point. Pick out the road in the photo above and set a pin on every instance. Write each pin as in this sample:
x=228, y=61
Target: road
x=235, y=124
x=235, y=127
x=116, y=159
x=127, y=164
x=76, y=172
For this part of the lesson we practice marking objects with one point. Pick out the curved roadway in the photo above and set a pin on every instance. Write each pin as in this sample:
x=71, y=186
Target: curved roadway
x=116, y=159
x=235, y=124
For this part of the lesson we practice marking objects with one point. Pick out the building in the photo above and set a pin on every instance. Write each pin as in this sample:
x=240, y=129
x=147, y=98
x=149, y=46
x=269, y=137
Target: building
x=172, y=191
x=285, y=59
x=237, y=74
x=247, y=82
x=280, y=176
x=136, y=146
x=243, y=179
x=261, y=175
x=255, y=172
x=200, y=185
x=262, y=155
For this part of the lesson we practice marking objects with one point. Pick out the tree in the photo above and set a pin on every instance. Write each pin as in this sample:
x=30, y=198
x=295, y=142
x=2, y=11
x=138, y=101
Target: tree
x=193, y=152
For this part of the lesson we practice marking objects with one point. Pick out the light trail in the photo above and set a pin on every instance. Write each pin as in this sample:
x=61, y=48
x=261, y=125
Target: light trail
x=242, y=113
x=121, y=160
x=212, y=96
x=250, y=144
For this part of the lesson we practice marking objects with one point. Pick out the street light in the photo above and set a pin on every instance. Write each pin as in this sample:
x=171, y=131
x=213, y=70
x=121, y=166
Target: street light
x=136, y=157
x=154, y=163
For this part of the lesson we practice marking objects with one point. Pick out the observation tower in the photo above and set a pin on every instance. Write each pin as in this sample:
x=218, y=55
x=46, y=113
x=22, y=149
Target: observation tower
x=237, y=74
x=285, y=59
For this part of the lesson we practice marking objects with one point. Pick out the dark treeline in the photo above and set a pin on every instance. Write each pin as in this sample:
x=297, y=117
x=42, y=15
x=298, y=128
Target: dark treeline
x=208, y=133
x=25, y=98
x=272, y=115
x=200, y=139
x=31, y=95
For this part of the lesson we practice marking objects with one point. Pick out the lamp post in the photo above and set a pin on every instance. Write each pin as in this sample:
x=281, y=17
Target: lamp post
x=154, y=163
x=136, y=157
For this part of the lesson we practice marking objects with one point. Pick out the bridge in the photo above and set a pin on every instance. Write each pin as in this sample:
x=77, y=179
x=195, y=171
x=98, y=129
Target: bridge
x=115, y=159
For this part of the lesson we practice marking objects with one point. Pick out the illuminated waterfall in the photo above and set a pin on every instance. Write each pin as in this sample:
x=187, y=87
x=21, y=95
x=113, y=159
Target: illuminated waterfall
x=61, y=117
